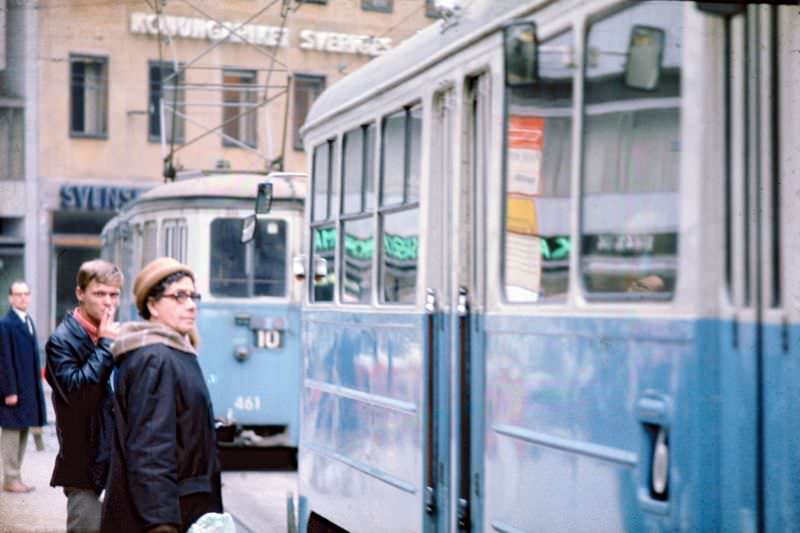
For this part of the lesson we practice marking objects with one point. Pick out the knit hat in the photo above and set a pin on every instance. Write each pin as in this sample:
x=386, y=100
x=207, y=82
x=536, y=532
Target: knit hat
x=152, y=273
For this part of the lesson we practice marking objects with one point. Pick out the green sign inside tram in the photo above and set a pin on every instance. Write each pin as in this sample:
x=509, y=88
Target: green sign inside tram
x=397, y=247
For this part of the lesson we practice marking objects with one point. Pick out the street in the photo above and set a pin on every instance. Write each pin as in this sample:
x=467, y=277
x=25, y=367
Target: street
x=257, y=500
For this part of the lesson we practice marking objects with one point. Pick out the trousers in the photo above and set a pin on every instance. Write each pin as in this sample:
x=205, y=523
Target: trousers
x=83, y=510
x=12, y=448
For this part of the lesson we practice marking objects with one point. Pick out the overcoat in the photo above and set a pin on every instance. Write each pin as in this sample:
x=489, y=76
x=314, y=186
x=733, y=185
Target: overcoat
x=78, y=371
x=164, y=464
x=20, y=374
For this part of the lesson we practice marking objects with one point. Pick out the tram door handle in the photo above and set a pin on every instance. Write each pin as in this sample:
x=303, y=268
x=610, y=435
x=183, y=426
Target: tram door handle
x=430, y=371
x=654, y=411
x=465, y=427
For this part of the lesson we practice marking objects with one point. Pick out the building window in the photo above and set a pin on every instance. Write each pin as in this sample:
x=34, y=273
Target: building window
x=431, y=9
x=12, y=143
x=384, y=6
x=239, y=98
x=162, y=77
x=88, y=96
x=306, y=89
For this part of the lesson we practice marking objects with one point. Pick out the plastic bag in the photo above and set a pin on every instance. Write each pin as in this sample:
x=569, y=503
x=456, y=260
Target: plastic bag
x=213, y=523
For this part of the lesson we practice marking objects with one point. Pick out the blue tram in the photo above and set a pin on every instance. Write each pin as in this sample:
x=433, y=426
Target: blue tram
x=248, y=319
x=553, y=245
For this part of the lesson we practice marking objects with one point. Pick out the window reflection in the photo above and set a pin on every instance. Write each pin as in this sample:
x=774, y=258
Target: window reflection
x=538, y=162
x=394, y=140
x=323, y=247
x=399, y=254
x=240, y=271
x=270, y=258
x=359, y=249
x=319, y=209
x=629, y=237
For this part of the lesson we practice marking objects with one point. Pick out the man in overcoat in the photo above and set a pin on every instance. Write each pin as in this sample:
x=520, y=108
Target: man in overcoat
x=21, y=397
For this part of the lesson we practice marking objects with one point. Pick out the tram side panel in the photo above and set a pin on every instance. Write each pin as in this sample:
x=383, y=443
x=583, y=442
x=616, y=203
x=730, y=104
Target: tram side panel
x=359, y=459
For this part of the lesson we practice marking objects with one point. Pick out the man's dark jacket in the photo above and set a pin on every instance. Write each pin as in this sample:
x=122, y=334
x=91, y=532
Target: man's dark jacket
x=78, y=372
x=164, y=466
x=20, y=374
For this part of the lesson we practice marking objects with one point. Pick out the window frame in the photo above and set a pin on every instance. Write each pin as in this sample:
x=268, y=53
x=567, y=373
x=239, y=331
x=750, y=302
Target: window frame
x=104, y=61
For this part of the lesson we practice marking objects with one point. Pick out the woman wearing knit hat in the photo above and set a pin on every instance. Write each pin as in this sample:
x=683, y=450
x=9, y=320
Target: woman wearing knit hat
x=165, y=472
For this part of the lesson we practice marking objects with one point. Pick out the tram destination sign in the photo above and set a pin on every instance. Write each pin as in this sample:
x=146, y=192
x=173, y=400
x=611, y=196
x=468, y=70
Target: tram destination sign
x=258, y=34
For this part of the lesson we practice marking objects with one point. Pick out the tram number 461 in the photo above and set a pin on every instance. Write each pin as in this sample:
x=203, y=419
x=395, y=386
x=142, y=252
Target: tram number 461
x=247, y=403
x=268, y=338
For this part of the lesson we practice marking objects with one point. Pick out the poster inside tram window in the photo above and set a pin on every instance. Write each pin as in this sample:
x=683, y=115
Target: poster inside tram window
x=523, y=175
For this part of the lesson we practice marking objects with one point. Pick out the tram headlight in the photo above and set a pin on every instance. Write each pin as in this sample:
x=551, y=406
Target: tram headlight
x=299, y=267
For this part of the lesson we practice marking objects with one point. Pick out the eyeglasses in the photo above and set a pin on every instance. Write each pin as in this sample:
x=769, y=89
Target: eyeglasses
x=181, y=296
x=27, y=293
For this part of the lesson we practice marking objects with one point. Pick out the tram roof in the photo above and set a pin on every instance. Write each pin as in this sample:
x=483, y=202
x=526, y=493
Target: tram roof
x=285, y=186
x=429, y=46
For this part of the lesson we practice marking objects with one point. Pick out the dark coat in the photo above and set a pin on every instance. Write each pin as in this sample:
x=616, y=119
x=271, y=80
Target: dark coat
x=164, y=465
x=20, y=374
x=78, y=371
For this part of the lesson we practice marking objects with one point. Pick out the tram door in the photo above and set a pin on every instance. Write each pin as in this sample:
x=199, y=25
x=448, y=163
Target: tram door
x=455, y=291
x=760, y=383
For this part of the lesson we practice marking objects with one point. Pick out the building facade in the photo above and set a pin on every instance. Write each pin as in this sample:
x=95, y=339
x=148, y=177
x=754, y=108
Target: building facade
x=84, y=128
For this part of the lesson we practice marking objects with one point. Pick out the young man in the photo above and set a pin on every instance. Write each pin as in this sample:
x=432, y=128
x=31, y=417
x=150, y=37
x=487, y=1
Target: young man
x=21, y=397
x=79, y=364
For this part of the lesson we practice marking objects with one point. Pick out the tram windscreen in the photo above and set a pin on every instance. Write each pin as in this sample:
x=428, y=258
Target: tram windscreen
x=254, y=269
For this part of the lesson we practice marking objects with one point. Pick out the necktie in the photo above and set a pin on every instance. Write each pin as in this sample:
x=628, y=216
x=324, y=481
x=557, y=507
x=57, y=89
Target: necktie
x=29, y=323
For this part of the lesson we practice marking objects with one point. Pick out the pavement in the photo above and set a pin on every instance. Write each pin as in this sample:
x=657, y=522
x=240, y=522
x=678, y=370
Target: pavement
x=257, y=500
x=45, y=509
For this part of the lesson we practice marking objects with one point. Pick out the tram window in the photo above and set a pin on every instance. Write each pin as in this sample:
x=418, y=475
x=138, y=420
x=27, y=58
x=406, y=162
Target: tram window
x=399, y=252
x=358, y=189
x=323, y=190
x=237, y=270
x=631, y=161
x=149, y=242
x=228, y=264
x=415, y=153
x=324, y=247
x=400, y=166
x=270, y=259
x=537, y=187
x=394, y=128
x=359, y=249
x=175, y=239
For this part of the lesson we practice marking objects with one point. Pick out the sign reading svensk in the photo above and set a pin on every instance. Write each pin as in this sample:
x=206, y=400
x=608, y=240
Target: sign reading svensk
x=211, y=30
